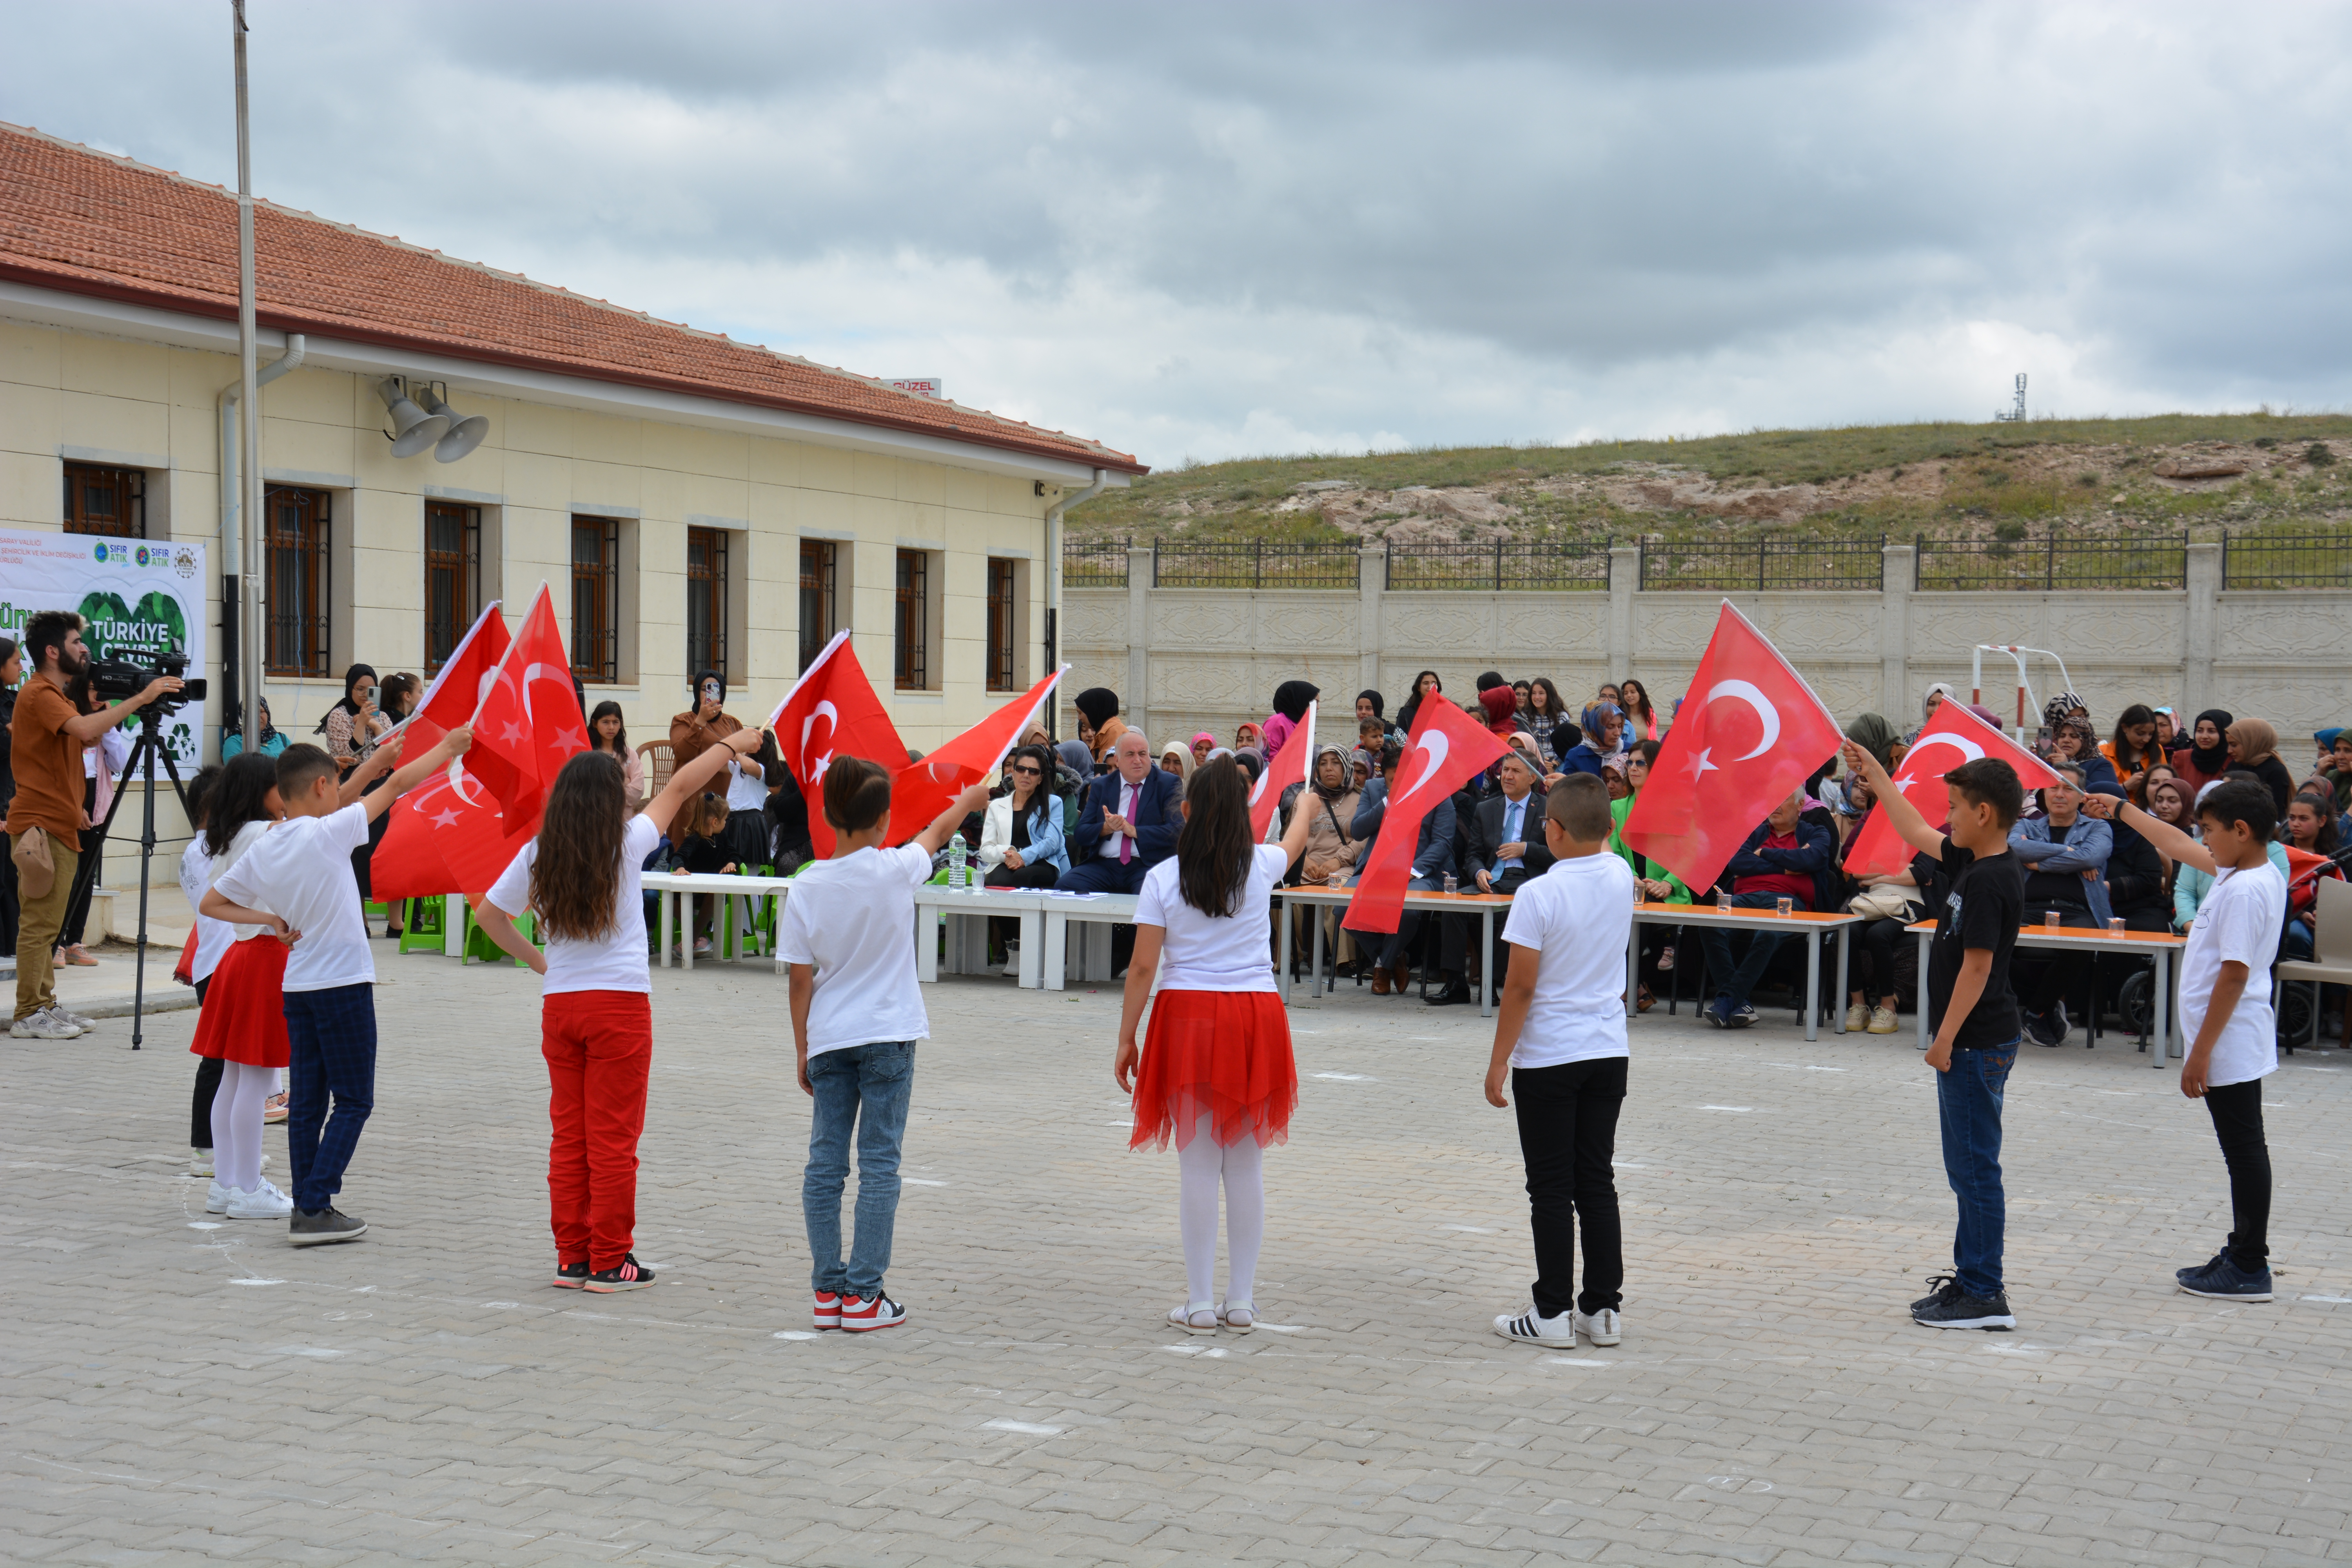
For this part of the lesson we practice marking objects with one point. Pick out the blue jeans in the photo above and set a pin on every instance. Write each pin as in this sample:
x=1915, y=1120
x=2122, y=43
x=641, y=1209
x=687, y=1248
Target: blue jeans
x=329, y=1049
x=1716, y=943
x=867, y=1087
x=1968, y=1101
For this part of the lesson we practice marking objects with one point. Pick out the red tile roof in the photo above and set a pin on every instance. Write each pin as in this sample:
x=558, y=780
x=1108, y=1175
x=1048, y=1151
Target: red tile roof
x=90, y=223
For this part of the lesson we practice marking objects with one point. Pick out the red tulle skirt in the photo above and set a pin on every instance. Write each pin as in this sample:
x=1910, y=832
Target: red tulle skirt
x=244, y=1017
x=1222, y=1053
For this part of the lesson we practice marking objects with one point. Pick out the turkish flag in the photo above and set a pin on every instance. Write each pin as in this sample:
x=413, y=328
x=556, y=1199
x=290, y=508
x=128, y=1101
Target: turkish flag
x=1750, y=731
x=530, y=723
x=445, y=836
x=920, y=791
x=1448, y=748
x=832, y=711
x=457, y=688
x=1289, y=766
x=1952, y=737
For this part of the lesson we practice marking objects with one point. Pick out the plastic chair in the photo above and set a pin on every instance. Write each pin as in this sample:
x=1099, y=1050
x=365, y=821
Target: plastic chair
x=2331, y=960
x=420, y=925
x=478, y=943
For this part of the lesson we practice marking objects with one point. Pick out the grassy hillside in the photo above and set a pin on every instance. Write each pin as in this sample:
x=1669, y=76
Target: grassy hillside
x=2012, y=480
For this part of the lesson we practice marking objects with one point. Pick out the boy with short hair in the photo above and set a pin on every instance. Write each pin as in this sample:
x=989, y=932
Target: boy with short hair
x=2225, y=1008
x=1560, y=1035
x=1974, y=1013
x=297, y=879
x=857, y=1011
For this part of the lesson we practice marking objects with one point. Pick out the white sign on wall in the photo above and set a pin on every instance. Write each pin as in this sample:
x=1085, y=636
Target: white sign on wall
x=140, y=597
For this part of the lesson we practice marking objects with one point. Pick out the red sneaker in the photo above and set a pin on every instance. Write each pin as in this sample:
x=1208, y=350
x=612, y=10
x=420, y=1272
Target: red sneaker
x=828, y=1309
x=862, y=1315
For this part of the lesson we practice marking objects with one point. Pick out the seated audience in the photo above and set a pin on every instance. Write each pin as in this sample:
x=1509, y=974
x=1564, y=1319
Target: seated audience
x=1433, y=860
x=1779, y=860
x=2254, y=746
x=1176, y=762
x=1099, y=725
x=2064, y=856
x=2205, y=756
x=2134, y=748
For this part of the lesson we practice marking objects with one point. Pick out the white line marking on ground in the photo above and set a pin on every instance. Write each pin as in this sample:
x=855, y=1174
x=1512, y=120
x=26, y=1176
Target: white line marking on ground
x=794, y=1334
x=1030, y=1428
x=1742, y=1109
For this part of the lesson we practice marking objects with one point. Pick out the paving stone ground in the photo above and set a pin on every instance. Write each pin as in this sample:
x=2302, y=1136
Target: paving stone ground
x=177, y=1394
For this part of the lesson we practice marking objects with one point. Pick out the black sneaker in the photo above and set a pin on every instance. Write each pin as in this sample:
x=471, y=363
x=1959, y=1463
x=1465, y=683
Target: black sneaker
x=1961, y=1310
x=2047, y=1028
x=312, y=1227
x=2223, y=1279
x=2185, y=1275
x=1742, y=1016
x=626, y=1275
x=572, y=1276
x=1717, y=1012
x=1941, y=1287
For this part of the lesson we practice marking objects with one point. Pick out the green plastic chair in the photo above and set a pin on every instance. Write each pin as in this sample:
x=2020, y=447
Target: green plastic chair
x=420, y=925
x=478, y=943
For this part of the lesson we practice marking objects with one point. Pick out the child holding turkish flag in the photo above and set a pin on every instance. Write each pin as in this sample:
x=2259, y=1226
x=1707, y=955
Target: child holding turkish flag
x=1974, y=1013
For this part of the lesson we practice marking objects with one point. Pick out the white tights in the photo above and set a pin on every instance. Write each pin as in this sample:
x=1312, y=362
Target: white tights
x=1200, y=1164
x=237, y=1124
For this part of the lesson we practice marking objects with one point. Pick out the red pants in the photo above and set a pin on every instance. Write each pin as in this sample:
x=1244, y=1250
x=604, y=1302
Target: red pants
x=599, y=1046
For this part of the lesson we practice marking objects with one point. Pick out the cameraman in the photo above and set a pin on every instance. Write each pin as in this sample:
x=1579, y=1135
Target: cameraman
x=45, y=740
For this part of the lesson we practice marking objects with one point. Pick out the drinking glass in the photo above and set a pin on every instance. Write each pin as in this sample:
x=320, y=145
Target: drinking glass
x=1451, y=883
x=2115, y=927
x=1784, y=905
x=2053, y=919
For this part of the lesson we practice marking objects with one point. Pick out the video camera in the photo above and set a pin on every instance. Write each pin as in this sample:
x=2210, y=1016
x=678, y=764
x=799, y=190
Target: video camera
x=117, y=680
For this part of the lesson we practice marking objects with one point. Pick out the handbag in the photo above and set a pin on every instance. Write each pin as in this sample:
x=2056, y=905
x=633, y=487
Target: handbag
x=1887, y=901
x=37, y=870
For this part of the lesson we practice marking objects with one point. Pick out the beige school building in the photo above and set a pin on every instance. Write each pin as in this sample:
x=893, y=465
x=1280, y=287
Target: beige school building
x=693, y=501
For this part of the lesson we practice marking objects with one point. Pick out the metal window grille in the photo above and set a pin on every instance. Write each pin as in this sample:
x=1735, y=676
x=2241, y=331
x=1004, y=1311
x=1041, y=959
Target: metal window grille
x=299, y=523
x=106, y=501
x=2052, y=561
x=596, y=598
x=999, y=625
x=912, y=666
x=452, y=577
x=2287, y=560
x=1099, y=563
x=817, y=558
x=1254, y=563
x=1501, y=565
x=1754, y=565
x=706, y=600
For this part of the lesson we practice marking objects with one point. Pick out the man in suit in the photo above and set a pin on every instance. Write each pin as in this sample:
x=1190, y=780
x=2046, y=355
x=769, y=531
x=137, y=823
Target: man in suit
x=1128, y=825
x=1432, y=858
x=1507, y=846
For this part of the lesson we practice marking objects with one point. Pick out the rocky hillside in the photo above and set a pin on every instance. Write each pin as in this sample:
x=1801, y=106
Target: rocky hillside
x=2247, y=472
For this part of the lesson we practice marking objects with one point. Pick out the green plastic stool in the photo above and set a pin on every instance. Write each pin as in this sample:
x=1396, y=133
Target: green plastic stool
x=420, y=925
x=478, y=943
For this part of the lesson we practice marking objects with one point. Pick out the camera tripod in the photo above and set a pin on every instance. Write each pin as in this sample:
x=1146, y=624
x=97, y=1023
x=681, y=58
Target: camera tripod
x=141, y=760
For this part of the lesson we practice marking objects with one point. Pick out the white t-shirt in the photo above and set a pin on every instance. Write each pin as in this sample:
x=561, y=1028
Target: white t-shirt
x=854, y=919
x=614, y=961
x=212, y=937
x=301, y=871
x=2239, y=921
x=1579, y=915
x=1214, y=952
x=745, y=792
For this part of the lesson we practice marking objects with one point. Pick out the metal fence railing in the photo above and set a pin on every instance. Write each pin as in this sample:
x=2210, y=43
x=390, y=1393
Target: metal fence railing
x=1852, y=564
x=2287, y=560
x=1099, y=563
x=1254, y=563
x=2052, y=561
x=1500, y=566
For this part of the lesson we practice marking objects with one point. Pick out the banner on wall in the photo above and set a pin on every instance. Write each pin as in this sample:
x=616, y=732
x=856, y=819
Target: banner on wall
x=140, y=597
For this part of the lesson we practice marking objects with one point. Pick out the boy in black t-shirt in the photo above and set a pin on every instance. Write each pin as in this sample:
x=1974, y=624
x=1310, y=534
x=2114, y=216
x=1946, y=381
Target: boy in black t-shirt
x=1974, y=1015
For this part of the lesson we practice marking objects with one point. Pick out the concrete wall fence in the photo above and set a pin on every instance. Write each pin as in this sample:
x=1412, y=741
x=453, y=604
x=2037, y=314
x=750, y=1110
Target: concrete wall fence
x=1191, y=658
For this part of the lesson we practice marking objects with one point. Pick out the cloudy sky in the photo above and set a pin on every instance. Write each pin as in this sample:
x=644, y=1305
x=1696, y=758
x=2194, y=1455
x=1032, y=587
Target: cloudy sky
x=1205, y=231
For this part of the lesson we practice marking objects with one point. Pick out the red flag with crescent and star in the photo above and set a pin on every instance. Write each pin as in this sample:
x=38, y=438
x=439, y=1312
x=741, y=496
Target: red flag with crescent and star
x=445, y=836
x=1750, y=731
x=1289, y=766
x=458, y=688
x=920, y=791
x=1952, y=737
x=528, y=723
x=832, y=711
x=1447, y=748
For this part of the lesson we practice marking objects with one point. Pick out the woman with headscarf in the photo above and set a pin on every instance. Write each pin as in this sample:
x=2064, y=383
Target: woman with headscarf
x=1290, y=700
x=272, y=740
x=1100, y=706
x=1371, y=705
x=2168, y=732
x=1602, y=724
x=1424, y=684
x=1874, y=735
x=2074, y=741
x=1077, y=768
x=1936, y=696
x=352, y=725
x=1176, y=761
x=1203, y=745
x=1330, y=799
x=2207, y=756
x=2254, y=746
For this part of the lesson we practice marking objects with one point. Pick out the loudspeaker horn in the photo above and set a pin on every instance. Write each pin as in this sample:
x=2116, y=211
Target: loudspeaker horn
x=414, y=428
x=464, y=434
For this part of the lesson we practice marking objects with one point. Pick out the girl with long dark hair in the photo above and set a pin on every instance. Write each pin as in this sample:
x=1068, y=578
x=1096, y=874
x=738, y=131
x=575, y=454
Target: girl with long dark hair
x=1640, y=718
x=581, y=875
x=243, y=1021
x=1216, y=1073
x=1424, y=684
x=608, y=733
x=2135, y=747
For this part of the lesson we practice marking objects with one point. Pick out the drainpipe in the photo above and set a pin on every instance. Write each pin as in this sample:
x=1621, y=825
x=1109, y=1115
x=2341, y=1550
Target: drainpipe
x=1054, y=590
x=232, y=511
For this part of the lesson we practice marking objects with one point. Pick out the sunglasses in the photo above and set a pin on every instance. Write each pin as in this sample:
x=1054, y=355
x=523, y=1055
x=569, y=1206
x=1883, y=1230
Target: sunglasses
x=1031, y=772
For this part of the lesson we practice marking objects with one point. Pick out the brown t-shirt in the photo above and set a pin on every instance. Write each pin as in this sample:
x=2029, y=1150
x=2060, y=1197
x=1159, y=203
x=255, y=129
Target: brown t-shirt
x=691, y=735
x=47, y=763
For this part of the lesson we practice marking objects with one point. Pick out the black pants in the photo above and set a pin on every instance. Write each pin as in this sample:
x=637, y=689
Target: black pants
x=1881, y=944
x=2237, y=1112
x=208, y=1077
x=1032, y=874
x=1567, y=1134
x=93, y=850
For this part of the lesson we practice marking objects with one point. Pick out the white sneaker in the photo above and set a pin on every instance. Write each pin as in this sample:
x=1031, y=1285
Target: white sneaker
x=1857, y=1018
x=216, y=1200
x=1013, y=960
x=702, y=947
x=200, y=1162
x=264, y=1202
x=43, y=1025
x=86, y=1024
x=1533, y=1327
x=1601, y=1327
x=1883, y=1021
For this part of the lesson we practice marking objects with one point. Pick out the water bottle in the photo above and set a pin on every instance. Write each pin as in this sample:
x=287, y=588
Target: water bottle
x=959, y=874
